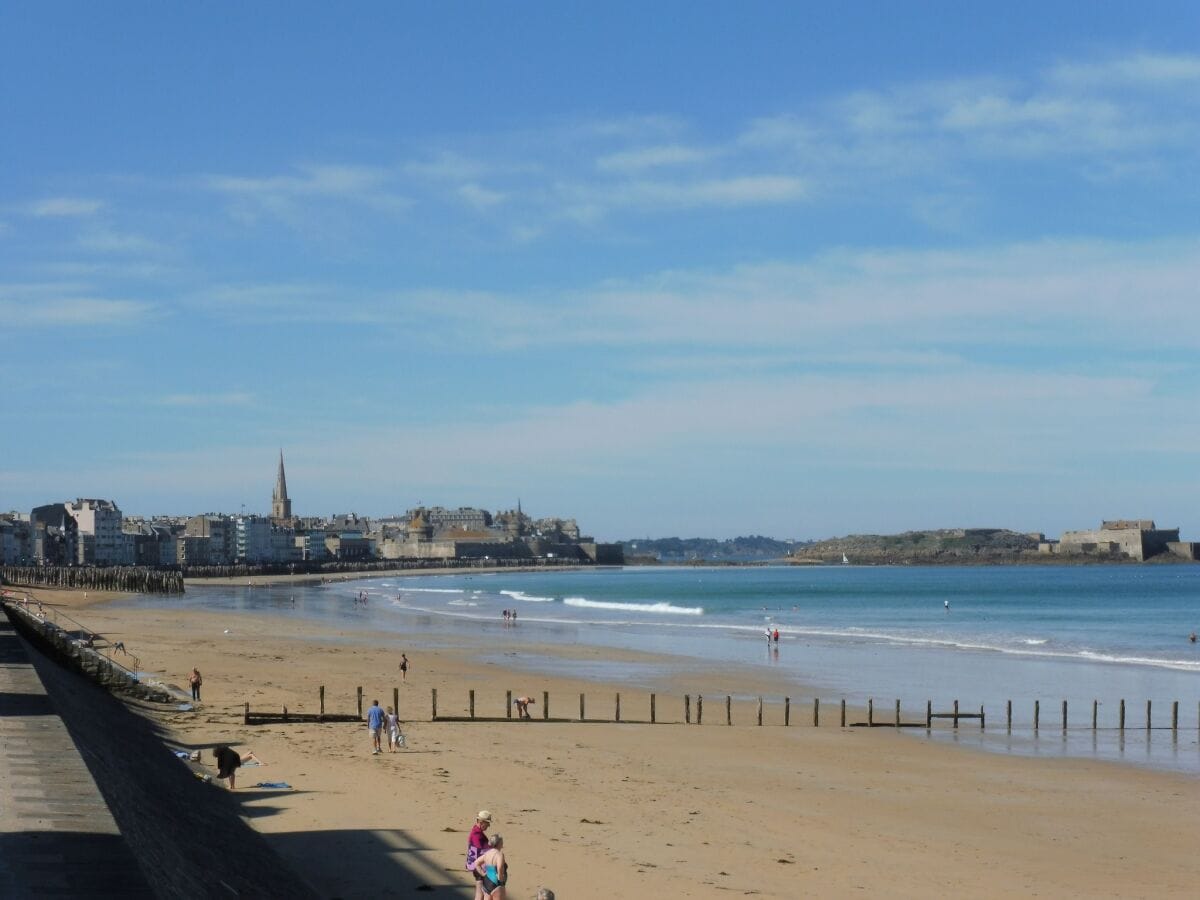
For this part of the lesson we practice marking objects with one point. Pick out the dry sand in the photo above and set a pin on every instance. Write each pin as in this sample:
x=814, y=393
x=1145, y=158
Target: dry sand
x=633, y=810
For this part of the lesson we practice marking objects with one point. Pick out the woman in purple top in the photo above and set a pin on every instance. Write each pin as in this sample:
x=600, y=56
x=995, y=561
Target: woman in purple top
x=477, y=843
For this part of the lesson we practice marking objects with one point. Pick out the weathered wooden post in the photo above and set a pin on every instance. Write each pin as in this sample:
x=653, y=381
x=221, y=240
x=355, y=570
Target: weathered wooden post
x=545, y=704
x=434, y=704
x=1147, y=715
x=1037, y=713
x=760, y=711
x=787, y=711
x=246, y=718
x=928, y=715
x=687, y=709
x=982, y=719
x=360, y=701
x=508, y=704
x=1122, y=715
x=728, y=710
x=1175, y=715
x=653, y=718
x=816, y=712
x=322, y=696
x=843, y=712
x=870, y=711
x=1095, y=713
x=956, y=714
x=618, y=708
x=1064, y=717
x=471, y=702
x=396, y=701
x=581, y=715
x=699, y=709
x=897, y=713
x=1008, y=712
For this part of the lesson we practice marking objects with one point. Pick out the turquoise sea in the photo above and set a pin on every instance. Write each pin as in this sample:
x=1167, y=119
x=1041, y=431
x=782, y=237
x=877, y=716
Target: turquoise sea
x=981, y=635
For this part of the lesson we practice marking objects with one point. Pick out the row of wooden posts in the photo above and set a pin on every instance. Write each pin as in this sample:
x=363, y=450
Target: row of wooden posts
x=895, y=721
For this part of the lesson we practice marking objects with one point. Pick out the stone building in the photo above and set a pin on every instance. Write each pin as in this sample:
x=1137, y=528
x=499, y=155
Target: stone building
x=100, y=539
x=281, y=505
x=1133, y=538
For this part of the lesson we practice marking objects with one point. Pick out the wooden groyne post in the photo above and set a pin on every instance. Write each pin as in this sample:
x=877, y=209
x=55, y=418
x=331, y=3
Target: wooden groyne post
x=760, y=712
x=471, y=703
x=321, y=695
x=699, y=709
x=508, y=705
x=434, y=703
x=617, y=711
x=545, y=704
x=652, y=716
x=728, y=710
x=360, y=701
x=582, y=717
x=687, y=709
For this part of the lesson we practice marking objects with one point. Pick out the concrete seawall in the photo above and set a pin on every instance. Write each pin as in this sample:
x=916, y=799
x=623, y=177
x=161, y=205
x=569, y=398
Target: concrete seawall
x=184, y=838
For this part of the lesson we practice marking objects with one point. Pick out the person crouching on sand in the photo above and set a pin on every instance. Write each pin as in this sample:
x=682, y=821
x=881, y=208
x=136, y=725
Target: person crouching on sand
x=492, y=868
x=522, y=704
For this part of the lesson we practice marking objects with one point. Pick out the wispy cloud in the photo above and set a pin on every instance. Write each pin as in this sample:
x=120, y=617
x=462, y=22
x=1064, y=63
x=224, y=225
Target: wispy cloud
x=231, y=398
x=73, y=312
x=108, y=240
x=641, y=158
x=65, y=207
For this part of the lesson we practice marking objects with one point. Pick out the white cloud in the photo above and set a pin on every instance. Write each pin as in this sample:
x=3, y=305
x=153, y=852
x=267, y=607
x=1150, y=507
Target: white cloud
x=1151, y=70
x=65, y=207
x=232, y=398
x=107, y=240
x=75, y=312
x=652, y=157
x=480, y=197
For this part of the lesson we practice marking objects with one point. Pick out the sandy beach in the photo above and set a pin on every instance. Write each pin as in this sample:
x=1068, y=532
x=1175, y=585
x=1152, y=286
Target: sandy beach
x=633, y=810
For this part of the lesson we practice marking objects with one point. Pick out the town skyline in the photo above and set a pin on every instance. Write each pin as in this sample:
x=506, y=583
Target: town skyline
x=689, y=270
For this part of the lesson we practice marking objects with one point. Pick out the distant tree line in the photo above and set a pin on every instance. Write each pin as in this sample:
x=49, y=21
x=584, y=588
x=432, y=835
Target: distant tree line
x=739, y=549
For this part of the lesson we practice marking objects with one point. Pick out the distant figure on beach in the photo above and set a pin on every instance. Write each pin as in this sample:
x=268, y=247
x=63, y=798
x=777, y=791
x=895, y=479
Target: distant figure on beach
x=775, y=635
x=946, y=603
x=375, y=719
x=1192, y=637
x=768, y=634
x=228, y=762
x=120, y=645
x=522, y=704
x=477, y=844
x=506, y=615
x=493, y=869
x=194, y=680
x=404, y=667
x=514, y=617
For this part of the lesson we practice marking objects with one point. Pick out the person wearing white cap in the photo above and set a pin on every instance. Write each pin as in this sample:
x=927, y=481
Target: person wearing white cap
x=477, y=843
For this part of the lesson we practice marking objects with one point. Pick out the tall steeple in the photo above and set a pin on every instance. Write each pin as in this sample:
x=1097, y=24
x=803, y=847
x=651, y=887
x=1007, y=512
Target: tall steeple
x=281, y=506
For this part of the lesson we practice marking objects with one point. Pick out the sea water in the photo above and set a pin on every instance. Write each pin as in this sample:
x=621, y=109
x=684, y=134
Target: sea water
x=981, y=635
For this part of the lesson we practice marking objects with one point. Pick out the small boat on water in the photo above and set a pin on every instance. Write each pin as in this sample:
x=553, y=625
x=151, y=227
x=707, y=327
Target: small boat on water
x=845, y=560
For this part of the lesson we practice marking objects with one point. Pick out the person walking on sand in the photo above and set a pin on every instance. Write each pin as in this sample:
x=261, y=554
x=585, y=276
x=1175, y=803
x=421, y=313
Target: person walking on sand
x=194, y=680
x=395, y=738
x=492, y=868
x=404, y=667
x=228, y=762
x=375, y=720
x=477, y=844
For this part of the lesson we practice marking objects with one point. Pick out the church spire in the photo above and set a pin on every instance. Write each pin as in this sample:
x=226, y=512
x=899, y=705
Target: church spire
x=281, y=506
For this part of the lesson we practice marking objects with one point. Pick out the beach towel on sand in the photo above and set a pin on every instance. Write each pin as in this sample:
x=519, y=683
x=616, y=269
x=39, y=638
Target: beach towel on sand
x=274, y=784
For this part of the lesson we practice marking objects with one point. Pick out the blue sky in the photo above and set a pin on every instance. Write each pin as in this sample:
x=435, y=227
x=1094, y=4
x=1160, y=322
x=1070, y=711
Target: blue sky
x=678, y=269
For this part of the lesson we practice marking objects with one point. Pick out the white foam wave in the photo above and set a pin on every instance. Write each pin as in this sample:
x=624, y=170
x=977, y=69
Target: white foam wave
x=1033, y=642
x=667, y=608
x=528, y=598
x=462, y=603
x=433, y=590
